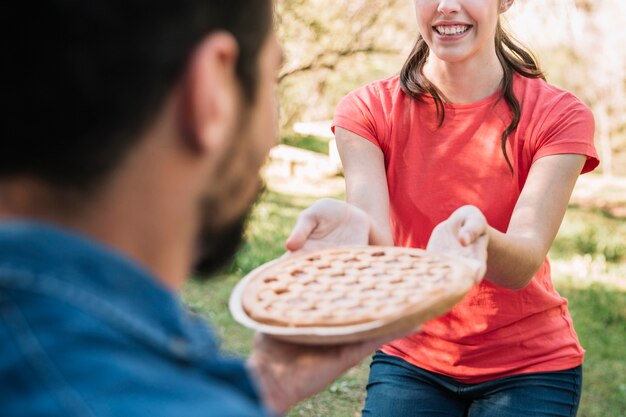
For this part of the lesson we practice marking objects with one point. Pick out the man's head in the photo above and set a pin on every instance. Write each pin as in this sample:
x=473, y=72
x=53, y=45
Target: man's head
x=91, y=84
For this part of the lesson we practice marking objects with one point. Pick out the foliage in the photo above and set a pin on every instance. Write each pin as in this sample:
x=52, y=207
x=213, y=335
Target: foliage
x=591, y=231
x=333, y=47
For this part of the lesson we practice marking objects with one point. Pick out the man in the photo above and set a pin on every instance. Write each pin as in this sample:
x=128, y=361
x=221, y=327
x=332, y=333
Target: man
x=129, y=155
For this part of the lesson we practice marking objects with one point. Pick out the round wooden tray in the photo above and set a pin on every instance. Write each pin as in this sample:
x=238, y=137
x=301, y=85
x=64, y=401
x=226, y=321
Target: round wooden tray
x=330, y=335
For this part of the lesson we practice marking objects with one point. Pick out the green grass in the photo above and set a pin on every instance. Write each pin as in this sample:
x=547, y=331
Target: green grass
x=591, y=231
x=599, y=312
x=599, y=315
x=312, y=143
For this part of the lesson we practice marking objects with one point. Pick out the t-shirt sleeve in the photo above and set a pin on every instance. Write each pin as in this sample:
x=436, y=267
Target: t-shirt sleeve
x=361, y=112
x=568, y=128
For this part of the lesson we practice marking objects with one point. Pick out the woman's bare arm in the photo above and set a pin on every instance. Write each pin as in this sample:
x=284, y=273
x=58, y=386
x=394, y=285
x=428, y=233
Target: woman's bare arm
x=515, y=256
x=366, y=182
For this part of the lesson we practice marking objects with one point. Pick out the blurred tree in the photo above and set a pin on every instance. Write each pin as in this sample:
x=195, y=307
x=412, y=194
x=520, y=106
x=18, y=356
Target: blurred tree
x=583, y=51
x=332, y=47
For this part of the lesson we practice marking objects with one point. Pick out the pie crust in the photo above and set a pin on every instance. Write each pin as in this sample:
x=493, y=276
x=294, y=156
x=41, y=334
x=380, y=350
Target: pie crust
x=350, y=293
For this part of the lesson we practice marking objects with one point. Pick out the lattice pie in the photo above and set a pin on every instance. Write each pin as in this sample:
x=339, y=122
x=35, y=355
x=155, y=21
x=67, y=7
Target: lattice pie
x=352, y=285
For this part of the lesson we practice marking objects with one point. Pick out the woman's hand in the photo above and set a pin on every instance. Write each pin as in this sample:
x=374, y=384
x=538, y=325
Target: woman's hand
x=288, y=373
x=329, y=223
x=463, y=234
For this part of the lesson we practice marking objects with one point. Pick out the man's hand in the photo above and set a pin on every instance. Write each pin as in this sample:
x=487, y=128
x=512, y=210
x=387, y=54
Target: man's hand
x=465, y=234
x=329, y=223
x=288, y=373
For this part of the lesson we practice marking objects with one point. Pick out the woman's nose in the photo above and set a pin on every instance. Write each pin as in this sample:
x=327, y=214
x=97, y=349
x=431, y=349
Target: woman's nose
x=447, y=7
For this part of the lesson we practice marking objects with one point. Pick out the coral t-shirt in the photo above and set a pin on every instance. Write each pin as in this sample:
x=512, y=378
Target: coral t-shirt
x=431, y=171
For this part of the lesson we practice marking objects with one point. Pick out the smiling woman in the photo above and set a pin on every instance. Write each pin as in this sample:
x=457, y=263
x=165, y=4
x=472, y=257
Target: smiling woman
x=471, y=120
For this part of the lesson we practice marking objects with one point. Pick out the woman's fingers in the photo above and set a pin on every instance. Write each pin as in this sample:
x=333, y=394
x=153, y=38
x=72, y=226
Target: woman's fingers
x=472, y=224
x=329, y=222
x=305, y=225
x=471, y=231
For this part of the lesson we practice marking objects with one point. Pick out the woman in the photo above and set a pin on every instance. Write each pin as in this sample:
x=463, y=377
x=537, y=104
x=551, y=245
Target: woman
x=470, y=120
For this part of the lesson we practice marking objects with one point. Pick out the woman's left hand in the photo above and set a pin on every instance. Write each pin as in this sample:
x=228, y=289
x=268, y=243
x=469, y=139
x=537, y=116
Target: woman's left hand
x=463, y=234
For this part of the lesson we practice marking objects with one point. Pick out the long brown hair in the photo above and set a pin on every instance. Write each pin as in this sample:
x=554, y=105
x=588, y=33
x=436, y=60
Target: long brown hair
x=513, y=56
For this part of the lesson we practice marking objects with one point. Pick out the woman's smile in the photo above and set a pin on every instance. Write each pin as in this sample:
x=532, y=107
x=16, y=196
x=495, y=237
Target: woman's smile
x=451, y=30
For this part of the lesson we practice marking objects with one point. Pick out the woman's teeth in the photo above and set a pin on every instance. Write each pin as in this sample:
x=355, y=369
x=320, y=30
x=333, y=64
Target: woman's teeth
x=452, y=29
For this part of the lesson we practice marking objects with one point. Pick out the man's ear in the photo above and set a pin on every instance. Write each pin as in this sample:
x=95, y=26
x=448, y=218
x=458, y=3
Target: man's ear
x=505, y=5
x=210, y=96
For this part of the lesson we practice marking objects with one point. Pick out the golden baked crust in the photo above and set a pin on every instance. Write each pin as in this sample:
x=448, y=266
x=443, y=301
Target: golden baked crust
x=353, y=285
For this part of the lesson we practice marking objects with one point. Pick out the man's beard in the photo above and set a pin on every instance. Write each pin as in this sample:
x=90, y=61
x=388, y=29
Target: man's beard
x=217, y=244
x=217, y=247
x=225, y=209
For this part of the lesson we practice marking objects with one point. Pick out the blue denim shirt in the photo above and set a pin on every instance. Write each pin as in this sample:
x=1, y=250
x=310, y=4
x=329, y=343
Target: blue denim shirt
x=86, y=332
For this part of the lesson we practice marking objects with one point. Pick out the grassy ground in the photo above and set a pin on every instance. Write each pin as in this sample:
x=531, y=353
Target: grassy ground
x=312, y=143
x=590, y=240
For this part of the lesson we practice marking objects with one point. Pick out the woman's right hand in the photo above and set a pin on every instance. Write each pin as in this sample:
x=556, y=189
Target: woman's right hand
x=329, y=223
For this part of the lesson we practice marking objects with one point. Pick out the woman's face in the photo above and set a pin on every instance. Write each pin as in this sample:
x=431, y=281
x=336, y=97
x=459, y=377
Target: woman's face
x=457, y=30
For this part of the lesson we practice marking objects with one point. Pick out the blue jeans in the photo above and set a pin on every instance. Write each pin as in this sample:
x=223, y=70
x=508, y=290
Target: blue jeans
x=397, y=388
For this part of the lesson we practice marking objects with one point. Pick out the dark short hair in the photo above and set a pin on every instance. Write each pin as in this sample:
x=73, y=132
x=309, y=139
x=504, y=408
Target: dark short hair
x=83, y=78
